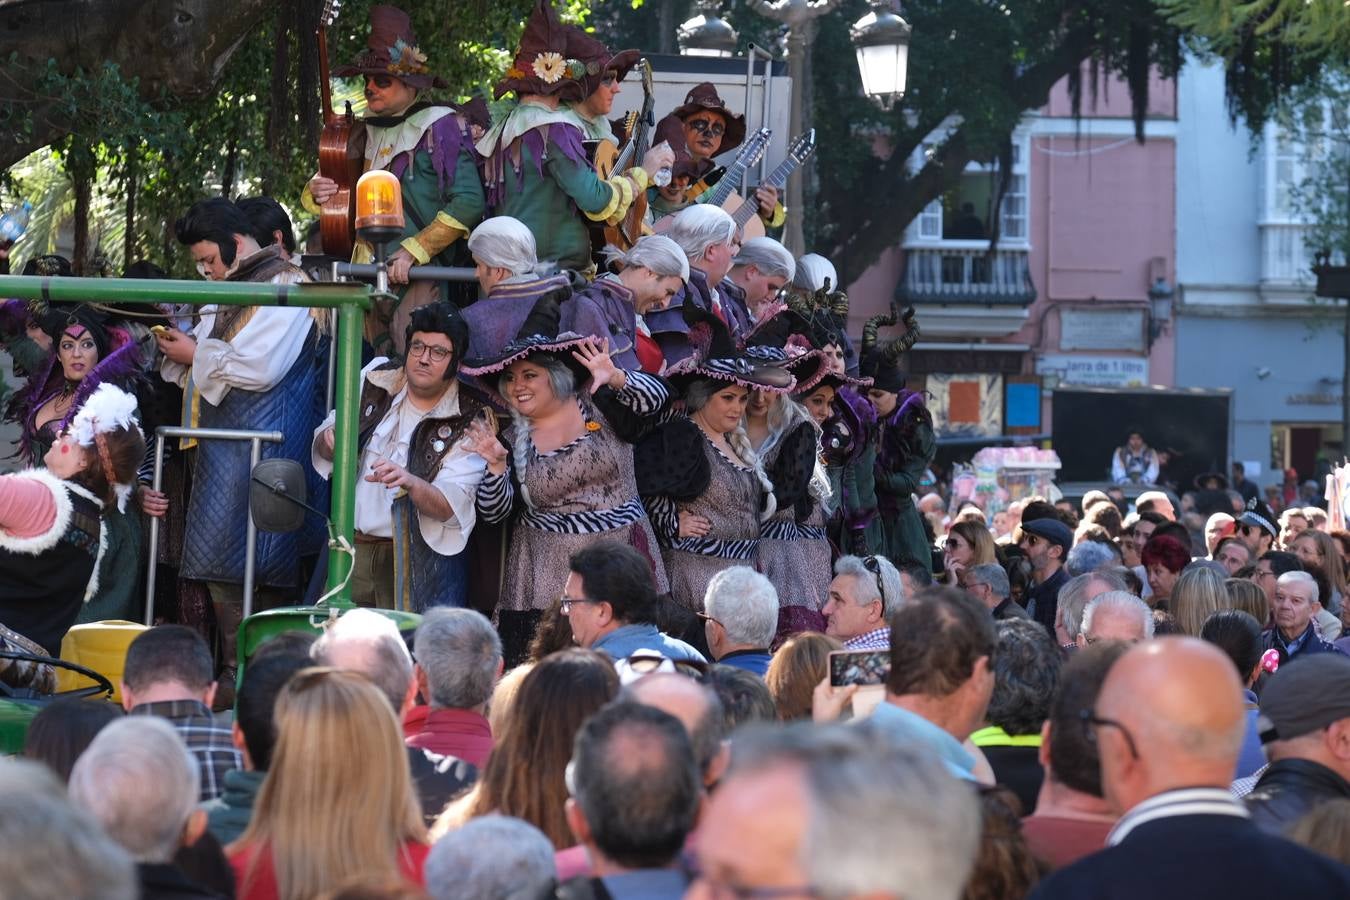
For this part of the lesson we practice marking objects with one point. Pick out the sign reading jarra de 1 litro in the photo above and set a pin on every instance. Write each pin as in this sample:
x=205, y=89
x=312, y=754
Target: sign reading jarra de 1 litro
x=1095, y=371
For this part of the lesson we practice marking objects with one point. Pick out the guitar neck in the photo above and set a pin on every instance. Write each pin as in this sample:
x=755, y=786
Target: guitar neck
x=777, y=178
x=325, y=82
x=722, y=190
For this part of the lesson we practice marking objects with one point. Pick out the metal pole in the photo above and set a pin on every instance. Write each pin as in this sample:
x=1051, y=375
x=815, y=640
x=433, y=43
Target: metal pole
x=55, y=289
x=345, y=459
x=251, y=534
x=153, y=566
x=332, y=361
x=370, y=272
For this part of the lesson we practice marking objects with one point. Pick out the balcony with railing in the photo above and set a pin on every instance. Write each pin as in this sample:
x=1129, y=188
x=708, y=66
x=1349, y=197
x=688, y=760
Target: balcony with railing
x=966, y=275
x=1285, y=260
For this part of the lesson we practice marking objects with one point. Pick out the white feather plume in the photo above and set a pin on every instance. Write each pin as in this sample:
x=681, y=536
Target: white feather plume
x=107, y=409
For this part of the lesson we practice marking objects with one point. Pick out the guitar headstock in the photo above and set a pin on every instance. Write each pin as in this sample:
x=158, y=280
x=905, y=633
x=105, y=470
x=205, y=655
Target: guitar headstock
x=331, y=8
x=755, y=147
x=645, y=70
x=803, y=146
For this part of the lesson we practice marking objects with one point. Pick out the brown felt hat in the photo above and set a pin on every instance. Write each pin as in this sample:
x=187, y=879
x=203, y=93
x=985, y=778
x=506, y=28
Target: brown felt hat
x=392, y=50
x=542, y=64
x=598, y=58
x=705, y=97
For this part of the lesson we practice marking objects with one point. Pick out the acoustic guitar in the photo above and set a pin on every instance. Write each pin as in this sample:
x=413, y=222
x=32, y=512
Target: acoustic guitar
x=749, y=154
x=625, y=234
x=746, y=211
x=337, y=158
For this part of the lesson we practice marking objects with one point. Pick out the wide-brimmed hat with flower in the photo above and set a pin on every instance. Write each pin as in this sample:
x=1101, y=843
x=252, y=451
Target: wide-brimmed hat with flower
x=542, y=64
x=704, y=97
x=392, y=50
x=598, y=58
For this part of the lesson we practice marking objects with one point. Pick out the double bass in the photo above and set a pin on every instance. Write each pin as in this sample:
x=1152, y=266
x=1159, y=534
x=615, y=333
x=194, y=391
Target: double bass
x=337, y=160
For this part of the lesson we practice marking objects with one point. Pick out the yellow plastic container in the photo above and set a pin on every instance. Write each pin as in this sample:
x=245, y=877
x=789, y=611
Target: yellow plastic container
x=101, y=646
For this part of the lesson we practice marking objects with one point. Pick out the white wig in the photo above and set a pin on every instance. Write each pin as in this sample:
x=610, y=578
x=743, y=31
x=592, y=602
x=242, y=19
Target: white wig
x=505, y=243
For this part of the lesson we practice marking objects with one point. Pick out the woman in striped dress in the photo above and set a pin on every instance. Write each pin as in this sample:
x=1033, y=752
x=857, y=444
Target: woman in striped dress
x=565, y=462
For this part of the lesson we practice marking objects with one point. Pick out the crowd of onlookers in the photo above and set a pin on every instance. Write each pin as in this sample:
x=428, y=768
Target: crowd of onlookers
x=1054, y=722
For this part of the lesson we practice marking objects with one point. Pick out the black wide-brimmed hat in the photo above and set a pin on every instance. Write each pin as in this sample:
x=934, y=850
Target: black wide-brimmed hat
x=1211, y=476
x=717, y=358
x=538, y=335
x=392, y=50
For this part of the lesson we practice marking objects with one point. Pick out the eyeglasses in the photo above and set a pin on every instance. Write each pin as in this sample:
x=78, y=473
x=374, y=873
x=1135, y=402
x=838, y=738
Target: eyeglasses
x=647, y=663
x=1262, y=573
x=438, y=353
x=707, y=618
x=711, y=129
x=1091, y=722
x=565, y=602
x=870, y=564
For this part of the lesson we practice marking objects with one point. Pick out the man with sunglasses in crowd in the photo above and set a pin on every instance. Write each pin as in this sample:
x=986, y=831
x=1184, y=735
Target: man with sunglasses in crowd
x=429, y=148
x=1256, y=528
x=415, y=502
x=1046, y=542
x=863, y=596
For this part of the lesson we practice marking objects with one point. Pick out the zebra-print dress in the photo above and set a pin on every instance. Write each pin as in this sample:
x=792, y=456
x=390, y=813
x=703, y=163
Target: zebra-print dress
x=731, y=503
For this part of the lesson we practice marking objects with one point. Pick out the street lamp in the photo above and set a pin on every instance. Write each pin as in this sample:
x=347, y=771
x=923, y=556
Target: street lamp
x=882, y=40
x=707, y=33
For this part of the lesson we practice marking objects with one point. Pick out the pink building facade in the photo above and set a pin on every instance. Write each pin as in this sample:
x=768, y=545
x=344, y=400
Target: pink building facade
x=1078, y=290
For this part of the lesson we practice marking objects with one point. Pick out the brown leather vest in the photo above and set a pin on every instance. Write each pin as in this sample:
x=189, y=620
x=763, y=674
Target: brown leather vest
x=432, y=439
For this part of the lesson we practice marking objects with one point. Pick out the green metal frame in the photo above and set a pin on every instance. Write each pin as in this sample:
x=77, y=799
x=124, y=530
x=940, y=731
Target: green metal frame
x=350, y=300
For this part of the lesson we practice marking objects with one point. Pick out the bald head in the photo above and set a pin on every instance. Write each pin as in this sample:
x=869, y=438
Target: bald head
x=1180, y=702
x=693, y=703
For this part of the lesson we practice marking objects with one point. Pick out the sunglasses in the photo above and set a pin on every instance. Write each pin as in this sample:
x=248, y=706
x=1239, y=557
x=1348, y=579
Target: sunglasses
x=647, y=663
x=711, y=129
x=870, y=564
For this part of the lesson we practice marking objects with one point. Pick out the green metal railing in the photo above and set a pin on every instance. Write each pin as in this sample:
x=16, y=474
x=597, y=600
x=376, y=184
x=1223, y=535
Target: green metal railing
x=350, y=300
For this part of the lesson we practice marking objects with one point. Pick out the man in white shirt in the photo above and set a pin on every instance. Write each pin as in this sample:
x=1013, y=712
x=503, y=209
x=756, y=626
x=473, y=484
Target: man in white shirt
x=415, y=503
x=255, y=368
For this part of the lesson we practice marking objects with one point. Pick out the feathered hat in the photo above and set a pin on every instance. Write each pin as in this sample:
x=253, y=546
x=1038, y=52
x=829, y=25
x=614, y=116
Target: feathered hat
x=392, y=50
x=108, y=409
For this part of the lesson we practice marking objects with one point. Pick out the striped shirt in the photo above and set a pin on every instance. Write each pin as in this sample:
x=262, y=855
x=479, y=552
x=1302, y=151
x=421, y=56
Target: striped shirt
x=207, y=740
x=1202, y=801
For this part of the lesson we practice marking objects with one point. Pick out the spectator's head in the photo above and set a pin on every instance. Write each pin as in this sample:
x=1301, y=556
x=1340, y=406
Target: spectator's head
x=1170, y=715
x=1107, y=515
x=795, y=670
x=864, y=595
x=1295, y=603
x=1088, y=556
x=1293, y=522
x=1233, y=555
x=167, y=662
x=914, y=577
x=53, y=849
x=1158, y=502
x=635, y=786
x=459, y=658
x=1305, y=712
x=370, y=644
x=1218, y=527
x=62, y=729
x=1248, y=597
x=969, y=544
x=840, y=809
x=1270, y=566
x=1198, y=593
x=740, y=611
x=491, y=856
x=1325, y=830
x=1318, y=552
x=352, y=812
x=1239, y=635
x=255, y=732
x=271, y=224
x=1163, y=559
x=218, y=235
x=1005, y=865
x=1256, y=527
x=1026, y=668
x=987, y=583
x=1069, y=757
x=502, y=248
x=1175, y=530
x=139, y=782
x=1046, y=542
x=610, y=585
x=697, y=708
x=942, y=645
x=504, y=696
x=524, y=775
x=1115, y=616
x=1075, y=594
x=744, y=696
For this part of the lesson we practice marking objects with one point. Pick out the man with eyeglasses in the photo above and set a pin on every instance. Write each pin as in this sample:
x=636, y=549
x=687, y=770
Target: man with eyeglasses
x=610, y=602
x=429, y=148
x=1168, y=725
x=415, y=504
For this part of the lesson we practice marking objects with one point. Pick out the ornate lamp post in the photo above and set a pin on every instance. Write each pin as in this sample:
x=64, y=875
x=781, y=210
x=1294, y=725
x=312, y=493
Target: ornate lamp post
x=881, y=39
